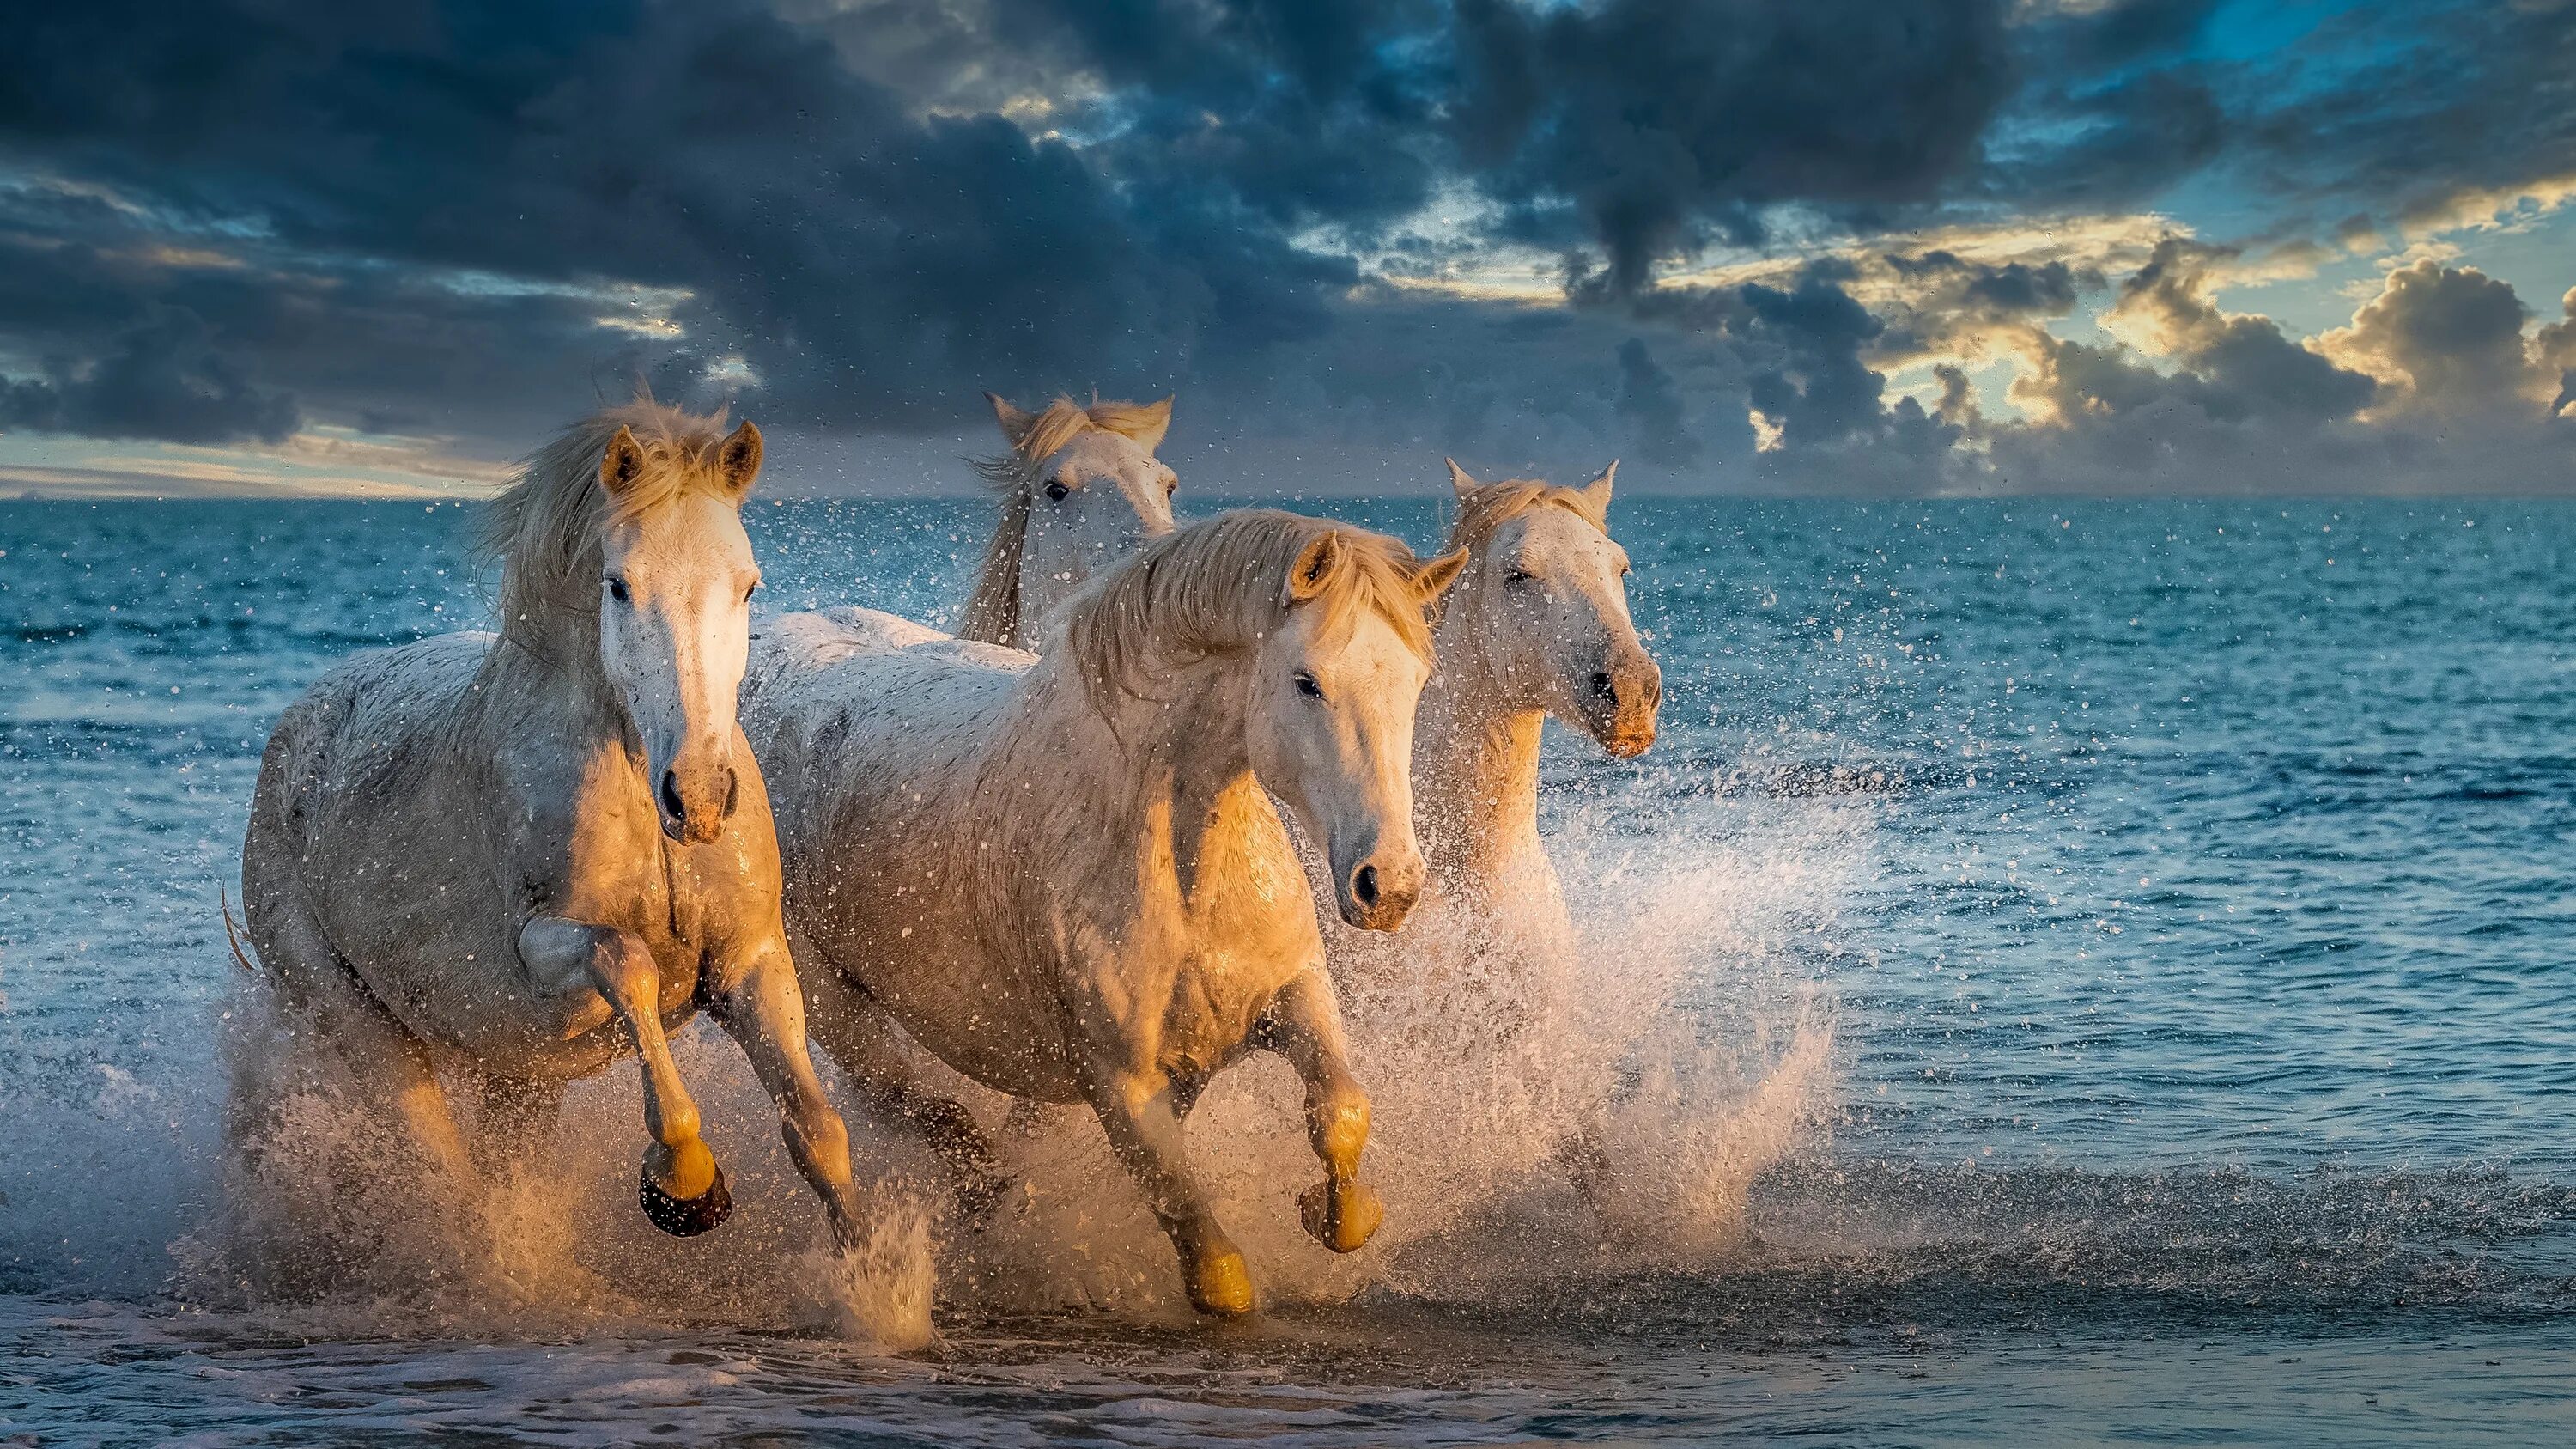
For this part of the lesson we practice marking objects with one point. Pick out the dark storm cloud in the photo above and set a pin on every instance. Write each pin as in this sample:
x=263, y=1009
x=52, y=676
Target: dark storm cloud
x=871, y=264
x=2405, y=109
x=221, y=221
x=1657, y=119
x=1649, y=398
x=163, y=380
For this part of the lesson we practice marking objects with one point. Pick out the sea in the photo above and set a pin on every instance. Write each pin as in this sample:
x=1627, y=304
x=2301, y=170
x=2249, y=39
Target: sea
x=2069, y=972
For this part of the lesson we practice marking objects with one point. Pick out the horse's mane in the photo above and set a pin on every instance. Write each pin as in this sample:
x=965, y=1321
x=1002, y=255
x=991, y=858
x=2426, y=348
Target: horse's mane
x=1492, y=505
x=992, y=614
x=545, y=529
x=1217, y=587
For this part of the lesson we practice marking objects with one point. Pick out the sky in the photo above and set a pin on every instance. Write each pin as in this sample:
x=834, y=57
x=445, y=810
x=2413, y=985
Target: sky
x=1850, y=247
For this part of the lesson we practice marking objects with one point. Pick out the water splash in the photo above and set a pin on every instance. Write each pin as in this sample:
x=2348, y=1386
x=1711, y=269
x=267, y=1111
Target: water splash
x=1619, y=1078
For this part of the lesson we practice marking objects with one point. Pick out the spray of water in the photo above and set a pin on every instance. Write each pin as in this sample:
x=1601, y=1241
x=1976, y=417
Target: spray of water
x=1615, y=1080
x=326, y=1216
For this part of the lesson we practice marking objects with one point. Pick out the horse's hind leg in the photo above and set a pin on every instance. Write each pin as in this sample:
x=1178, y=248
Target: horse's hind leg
x=1141, y=1112
x=682, y=1190
x=1304, y=1025
x=858, y=1034
x=760, y=1010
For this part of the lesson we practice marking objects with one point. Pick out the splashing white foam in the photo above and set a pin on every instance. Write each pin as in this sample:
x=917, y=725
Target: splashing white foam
x=1621, y=1078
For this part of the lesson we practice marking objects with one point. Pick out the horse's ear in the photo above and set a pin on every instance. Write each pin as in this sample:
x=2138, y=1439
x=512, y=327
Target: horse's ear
x=1315, y=566
x=1597, y=492
x=622, y=464
x=1434, y=578
x=738, y=461
x=1458, y=478
x=1015, y=423
x=1149, y=424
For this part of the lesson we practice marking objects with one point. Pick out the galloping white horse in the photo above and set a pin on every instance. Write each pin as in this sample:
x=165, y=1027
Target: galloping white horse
x=1079, y=489
x=1064, y=877
x=516, y=856
x=1537, y=626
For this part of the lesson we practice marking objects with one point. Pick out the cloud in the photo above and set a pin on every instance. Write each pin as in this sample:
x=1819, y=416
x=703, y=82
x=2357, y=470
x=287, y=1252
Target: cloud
x=1656, y=121
x=1703, y=232
x=1648, y=398
x=163, y=379
x=2239, y=366
x=2449, y=340
x=2554, y=350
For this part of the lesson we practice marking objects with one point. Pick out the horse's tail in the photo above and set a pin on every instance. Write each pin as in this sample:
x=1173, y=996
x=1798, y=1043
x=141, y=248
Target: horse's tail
x=233, y=933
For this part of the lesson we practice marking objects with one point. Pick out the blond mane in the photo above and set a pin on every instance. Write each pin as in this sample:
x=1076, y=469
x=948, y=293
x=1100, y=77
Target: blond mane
x=545, y=529
x=1492, y=505
x=1217, y=587
x=992, y=613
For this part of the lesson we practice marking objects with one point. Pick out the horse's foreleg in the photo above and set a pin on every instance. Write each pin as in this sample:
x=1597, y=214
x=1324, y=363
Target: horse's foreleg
x=1304, y=1025
x=855, y=1030
x=1141, y=1114
x=682, y=1190
x=760, y=1010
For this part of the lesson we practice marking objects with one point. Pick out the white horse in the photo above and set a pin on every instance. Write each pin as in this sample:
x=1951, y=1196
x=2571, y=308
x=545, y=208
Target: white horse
x=1538, y=626
x=515, y=856
x=1079, y=489
x=1064, y=877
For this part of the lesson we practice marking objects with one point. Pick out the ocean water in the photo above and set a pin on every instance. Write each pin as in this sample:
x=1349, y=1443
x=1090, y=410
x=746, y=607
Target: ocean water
x=2068, y=972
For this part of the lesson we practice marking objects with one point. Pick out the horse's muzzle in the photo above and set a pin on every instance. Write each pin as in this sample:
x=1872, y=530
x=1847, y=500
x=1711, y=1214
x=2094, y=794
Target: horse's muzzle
x=695, y=808
x=1380, y=893
x=1621, y=703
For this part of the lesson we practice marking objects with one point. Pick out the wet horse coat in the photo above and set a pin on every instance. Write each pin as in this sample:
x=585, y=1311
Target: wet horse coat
x=520, y=855
x=1064, y=877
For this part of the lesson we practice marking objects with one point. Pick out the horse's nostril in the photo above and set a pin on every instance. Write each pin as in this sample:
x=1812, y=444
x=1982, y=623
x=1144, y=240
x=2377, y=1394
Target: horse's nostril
x=733, y=791
x=1603, y=686
x=671, y=805
x=1364, y=885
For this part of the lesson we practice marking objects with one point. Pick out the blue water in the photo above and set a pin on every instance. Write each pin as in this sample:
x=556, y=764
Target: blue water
x=2181, y=880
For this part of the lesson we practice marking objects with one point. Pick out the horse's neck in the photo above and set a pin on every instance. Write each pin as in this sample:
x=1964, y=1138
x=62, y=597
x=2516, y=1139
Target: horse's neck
x=1475, y=769
x=1172, y=767
x=545, y=674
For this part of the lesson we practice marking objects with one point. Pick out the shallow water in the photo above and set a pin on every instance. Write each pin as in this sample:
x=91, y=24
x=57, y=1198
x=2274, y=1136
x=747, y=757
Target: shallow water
x=2085, y=971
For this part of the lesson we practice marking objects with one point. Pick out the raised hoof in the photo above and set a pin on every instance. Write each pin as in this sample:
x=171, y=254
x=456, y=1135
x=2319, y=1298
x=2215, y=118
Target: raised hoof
x=1341, y=1213
x=1221, y=1284
x=686, y=1217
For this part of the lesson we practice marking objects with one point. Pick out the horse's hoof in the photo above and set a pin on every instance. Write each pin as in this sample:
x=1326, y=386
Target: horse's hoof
x=1341, y=1213
x=686, y=1217
x=1221, y=1284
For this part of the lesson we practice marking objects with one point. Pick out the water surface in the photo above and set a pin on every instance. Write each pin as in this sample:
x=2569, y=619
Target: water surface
x=2176, y=884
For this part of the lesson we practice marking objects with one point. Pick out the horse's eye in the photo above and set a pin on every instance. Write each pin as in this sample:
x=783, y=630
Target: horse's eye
x=1517, y=576
x=1056, y=491
x=617, y=589
x=1307, y=686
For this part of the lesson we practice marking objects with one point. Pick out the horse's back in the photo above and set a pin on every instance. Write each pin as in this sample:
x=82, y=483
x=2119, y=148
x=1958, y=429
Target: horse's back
x=368, y=717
